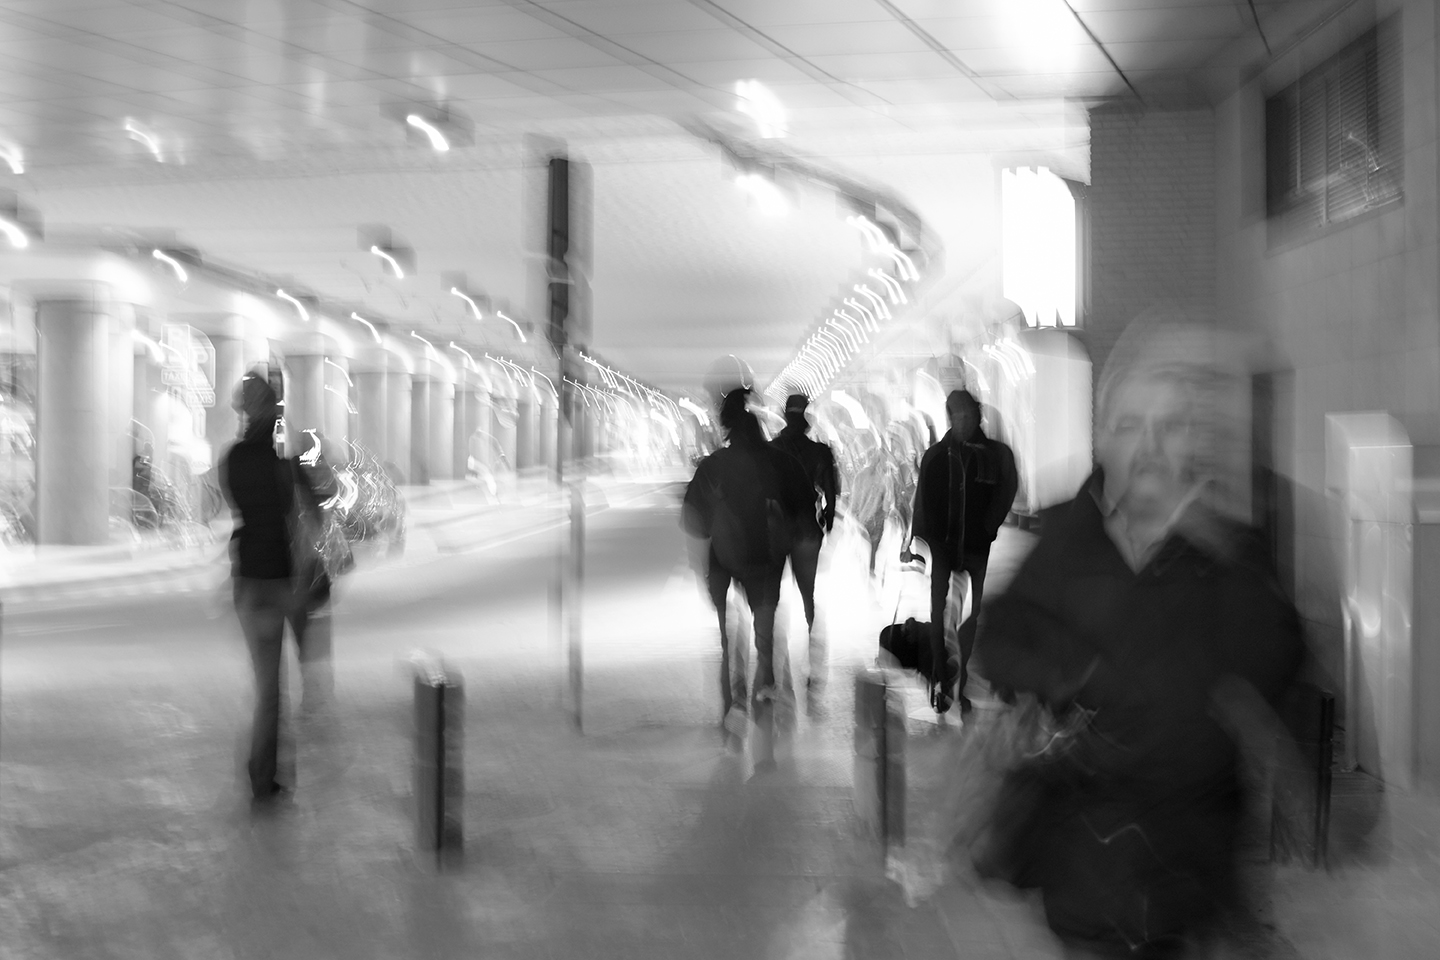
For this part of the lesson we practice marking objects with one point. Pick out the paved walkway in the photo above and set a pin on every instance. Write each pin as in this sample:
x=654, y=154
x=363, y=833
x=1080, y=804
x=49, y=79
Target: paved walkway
x=124, y=832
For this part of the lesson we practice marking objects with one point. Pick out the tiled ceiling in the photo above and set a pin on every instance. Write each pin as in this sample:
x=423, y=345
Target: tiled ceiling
x=277, y=122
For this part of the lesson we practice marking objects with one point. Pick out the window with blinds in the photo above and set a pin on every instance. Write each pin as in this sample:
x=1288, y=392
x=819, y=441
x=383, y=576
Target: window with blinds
x=1333, y=138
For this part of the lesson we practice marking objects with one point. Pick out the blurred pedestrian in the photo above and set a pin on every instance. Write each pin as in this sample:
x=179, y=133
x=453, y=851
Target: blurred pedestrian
x=1149, y=621
x=745, y=500
x=818, y=462
x=275, y=576
x=966, y=486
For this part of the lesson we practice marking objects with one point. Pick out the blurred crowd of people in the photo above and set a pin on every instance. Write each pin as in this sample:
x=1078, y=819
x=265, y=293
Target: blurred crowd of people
x=1141, y=655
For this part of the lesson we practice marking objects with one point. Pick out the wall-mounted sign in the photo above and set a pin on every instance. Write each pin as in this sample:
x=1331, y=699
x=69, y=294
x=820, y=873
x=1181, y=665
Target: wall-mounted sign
x=189, y=364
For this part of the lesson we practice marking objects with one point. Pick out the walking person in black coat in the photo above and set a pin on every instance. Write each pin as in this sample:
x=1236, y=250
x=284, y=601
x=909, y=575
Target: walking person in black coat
x=966, y=486
x=818, y=462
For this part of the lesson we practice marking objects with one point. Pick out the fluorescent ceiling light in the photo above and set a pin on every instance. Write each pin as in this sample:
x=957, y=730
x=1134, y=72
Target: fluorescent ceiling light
x=174, y=264
x=304, y=314
x=756, y=101
x=343, y=372
x=427, y=343
x=518, y=332
x=394, y=264
x=463, y=296
x=437, y=139
x=14, y=158
x=151, y=143
x=373, y=332
x=16, y=236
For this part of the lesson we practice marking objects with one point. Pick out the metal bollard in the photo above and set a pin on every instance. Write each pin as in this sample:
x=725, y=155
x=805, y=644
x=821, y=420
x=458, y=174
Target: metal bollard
x=439, y=757
x=879, y=758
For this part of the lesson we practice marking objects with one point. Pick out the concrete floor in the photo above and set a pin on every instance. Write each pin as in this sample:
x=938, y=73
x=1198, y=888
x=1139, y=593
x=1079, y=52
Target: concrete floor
x=127, y=833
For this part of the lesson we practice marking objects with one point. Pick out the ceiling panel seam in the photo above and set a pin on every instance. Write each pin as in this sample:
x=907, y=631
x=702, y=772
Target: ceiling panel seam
x=945, y=53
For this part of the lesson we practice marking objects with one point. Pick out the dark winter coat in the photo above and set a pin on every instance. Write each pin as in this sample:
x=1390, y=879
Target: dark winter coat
x=748, y=475
x=250, y=478
x=819, y=465
x=1136, y=836
x=969, y=513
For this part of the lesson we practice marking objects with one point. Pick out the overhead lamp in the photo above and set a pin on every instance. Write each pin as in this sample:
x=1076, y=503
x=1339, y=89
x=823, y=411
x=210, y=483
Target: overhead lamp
x=859, y=327
x=464, y=353
x=892, y=286
x=343, y=372
x=304, y=314
x=14, y=233
x=877, y=303
x=756, y=101
x=151, y=142
x=390, y=259
x=373, y=332
x=14, y=157
x=466, y=297
x=852, y=341
x=429, y=346
x=873, y=235
x=902, y=260
x=437, y=139
x=172, y=263
x=342, y=396
x=552, y=383
x=518, y=332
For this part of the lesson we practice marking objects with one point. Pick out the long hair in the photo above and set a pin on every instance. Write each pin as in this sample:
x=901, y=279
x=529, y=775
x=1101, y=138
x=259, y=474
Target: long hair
x=741, y=426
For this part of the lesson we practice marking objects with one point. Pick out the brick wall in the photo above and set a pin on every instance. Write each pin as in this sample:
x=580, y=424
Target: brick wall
x=1152, y=218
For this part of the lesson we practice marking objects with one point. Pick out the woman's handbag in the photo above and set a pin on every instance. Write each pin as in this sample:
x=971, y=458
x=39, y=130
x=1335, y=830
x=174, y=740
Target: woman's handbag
x=319, y=552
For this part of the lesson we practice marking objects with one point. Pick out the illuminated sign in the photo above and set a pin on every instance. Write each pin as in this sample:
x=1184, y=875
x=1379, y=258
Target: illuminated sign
x=189, y=364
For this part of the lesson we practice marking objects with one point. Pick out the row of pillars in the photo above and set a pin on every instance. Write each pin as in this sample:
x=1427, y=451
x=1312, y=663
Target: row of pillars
x=93, y=384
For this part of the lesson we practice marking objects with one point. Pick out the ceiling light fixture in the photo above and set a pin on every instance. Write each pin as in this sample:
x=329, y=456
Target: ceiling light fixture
x=15, y=234
x=892, y=286
x=343, y=372
x=466, y=297
x=756, y=101
x=437, y=139
x=173, y=264
x=882, y=312
x=350, y=406
x=373, y=332
x=518, y=332
x=13, y=157
x=304, y=314
x=851, y=341
x=385, y=255
x=151, y=143
x=430, y=346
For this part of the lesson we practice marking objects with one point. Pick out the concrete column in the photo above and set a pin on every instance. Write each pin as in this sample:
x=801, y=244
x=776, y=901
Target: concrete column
x=72, y=421
x=304, y=400
x=463, y=426
x=524, y=432
x=478, y=419
x=150, y=410
x=420, y=430
x=222, y=423
x=545, y=443
x=441, y=453
x=397, y=423
x=370, y=402
x=337, y=400
x=120, y=368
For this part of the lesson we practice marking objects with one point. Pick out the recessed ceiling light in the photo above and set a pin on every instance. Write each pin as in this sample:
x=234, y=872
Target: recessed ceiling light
x=151, y=142
x=304, y=314
x=386, y=256
x=437, y=139
x=14, y=157
x=15, y=234
x=174, y=264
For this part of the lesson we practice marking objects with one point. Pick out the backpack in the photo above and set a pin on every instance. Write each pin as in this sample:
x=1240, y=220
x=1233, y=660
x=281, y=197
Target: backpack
x=748, y=525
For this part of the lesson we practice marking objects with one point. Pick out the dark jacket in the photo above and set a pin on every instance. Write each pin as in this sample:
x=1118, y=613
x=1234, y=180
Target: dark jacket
x=819, y=466
x=969, y=512
x=1136, y=837
x=251, y=480
x=747, y=472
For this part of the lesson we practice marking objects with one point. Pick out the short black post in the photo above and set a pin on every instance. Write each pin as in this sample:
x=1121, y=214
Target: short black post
x=439, y=755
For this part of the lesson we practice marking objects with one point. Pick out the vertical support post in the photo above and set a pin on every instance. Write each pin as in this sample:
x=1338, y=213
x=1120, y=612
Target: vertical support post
x=439, y=759
x=879, y=759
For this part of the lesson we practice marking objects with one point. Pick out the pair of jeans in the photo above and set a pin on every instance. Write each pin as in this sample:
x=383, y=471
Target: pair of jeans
x=762, y=592
x=263, y=607
x=947, y=601
x=804, y=562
